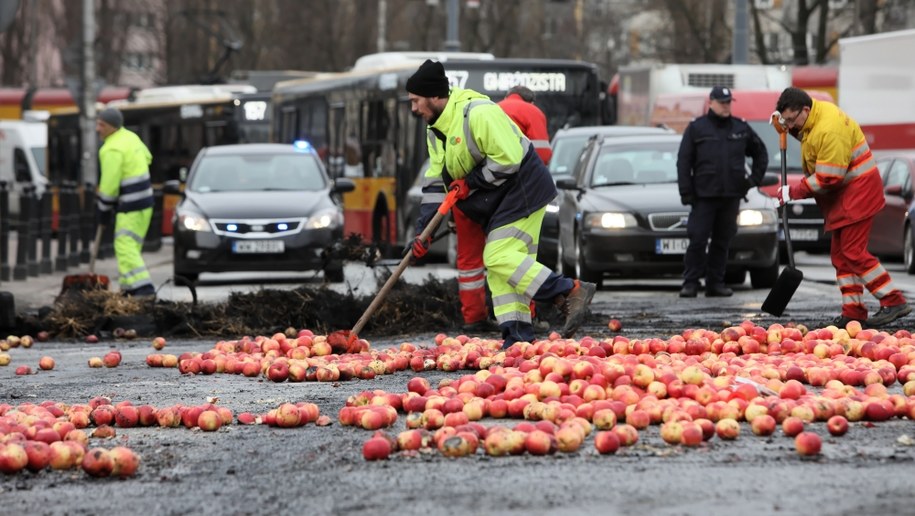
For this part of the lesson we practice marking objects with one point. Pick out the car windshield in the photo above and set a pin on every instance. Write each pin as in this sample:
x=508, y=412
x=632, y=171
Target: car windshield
x=770, y=137
x=565, y=154
x=257, y=172
x=636, y=164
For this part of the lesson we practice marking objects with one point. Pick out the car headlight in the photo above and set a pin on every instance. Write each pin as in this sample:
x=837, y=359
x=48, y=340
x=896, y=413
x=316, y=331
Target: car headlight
x=610, y=220
x=329, y=218
x=756, y=217
x=193, y=222
x=553, y=206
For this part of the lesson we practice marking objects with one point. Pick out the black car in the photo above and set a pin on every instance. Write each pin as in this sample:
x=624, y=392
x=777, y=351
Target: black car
x=567, y=145
x=620, y=214
x=258, y=207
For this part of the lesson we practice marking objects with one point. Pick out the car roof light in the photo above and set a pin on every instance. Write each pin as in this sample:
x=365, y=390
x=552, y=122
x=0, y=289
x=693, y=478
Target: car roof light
x=303, y=145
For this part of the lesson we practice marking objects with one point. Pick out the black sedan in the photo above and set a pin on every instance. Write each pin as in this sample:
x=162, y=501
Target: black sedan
x=258, y=207
x=567, y=145
x=620, y=215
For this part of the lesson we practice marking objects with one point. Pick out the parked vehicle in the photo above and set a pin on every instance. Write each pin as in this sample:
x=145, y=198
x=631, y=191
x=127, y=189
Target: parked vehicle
x=876, y=74
x=23, y=146
x=567, y=145
x=258, y=207
x=891, y=236
x=620, y=214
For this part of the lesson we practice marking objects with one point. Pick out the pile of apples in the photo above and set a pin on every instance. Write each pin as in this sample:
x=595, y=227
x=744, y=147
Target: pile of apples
x=693, y=386
x=37, y=437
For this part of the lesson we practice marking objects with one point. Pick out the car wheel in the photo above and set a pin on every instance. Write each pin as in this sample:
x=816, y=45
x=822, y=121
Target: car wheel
x=582, y=271
x=736, y=277
x=764, y=277
x=184, y=279
x=908, y=251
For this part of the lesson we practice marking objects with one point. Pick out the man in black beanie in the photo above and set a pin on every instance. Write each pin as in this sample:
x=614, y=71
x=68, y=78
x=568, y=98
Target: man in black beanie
x=503, y=187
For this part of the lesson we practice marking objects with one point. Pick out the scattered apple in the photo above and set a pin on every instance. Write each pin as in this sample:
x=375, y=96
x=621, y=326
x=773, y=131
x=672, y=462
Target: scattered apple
x=807, y=444
x=46, y=363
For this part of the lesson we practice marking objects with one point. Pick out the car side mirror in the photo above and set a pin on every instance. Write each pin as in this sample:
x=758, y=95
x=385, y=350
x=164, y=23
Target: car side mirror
x=894, y=190
x=172, y=186
x=343, y=185
x=567, y=183
x=182, y=174
x=769, y=179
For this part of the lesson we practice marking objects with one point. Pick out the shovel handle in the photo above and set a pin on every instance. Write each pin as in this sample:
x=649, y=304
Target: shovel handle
x=446, y=205
x=95, y=246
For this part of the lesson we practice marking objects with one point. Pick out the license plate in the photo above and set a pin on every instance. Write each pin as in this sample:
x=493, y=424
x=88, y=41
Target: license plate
x=807, y=235
x=671, y=245
x=258, y=247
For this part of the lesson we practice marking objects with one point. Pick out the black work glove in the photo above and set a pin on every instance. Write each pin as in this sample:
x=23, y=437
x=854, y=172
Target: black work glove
x=686, y=200
x=104, y=217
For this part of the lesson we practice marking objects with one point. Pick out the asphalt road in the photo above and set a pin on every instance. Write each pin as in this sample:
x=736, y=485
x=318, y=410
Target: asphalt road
x=320, y=470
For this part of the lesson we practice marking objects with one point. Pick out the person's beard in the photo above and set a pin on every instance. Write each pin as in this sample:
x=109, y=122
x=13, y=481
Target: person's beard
x=435, y=114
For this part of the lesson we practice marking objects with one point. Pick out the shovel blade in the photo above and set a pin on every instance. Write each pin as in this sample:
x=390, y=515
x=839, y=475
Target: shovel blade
x=785, y=287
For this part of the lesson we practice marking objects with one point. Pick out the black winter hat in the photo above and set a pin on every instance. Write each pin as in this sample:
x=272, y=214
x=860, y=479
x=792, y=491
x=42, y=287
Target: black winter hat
x=429, y=80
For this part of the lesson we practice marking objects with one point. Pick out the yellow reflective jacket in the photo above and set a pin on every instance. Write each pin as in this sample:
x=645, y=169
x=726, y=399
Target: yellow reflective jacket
x=841, y=173
x=124, y=183
x=474, y=139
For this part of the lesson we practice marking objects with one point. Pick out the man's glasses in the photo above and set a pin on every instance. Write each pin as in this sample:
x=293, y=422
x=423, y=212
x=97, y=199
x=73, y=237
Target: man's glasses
x=789, y=120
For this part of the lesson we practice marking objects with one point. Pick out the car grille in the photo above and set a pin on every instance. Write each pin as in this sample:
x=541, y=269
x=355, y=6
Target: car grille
x=258, y=228
x=673, y=221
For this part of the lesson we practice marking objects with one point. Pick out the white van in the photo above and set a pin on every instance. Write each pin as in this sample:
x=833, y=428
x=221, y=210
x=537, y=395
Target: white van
x=23, y=151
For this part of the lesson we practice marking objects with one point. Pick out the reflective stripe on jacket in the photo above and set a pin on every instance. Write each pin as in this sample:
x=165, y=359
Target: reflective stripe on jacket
x=841, y=173
x=475, y=140
x=124, y=181
x=531, y=121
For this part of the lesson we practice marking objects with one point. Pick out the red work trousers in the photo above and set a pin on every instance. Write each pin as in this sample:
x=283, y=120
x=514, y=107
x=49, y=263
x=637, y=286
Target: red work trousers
x=471, y=273
x=856, y=268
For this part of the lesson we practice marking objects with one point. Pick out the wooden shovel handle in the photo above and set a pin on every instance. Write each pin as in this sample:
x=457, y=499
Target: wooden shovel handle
x=443, y=209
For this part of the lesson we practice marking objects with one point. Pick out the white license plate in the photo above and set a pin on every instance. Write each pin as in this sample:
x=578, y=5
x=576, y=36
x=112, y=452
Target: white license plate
x=807, y=235
x=258, y=246
x=671, y=245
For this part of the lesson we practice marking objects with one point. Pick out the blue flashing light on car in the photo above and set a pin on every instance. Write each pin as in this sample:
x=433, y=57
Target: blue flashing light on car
x=303, y=145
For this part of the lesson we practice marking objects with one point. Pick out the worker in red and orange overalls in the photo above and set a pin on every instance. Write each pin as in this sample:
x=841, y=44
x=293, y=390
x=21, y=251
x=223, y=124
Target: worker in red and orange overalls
x=842, y=176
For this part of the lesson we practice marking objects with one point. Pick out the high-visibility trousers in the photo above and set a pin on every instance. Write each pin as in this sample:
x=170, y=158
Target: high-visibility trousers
x=856, y=268
x=471, y=272
x=129, y=231
x=515, y=277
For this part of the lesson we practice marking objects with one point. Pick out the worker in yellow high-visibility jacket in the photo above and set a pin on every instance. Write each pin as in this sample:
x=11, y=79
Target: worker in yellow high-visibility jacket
x=125, y=196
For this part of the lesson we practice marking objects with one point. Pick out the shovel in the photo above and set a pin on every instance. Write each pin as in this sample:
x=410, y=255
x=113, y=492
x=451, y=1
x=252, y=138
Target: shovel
x=790, y=278
x=90, y=281
x=353, y=335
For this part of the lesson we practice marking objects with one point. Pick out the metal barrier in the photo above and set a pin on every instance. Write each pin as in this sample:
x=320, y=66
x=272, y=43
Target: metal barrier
x=65, y=211
x=34, y=226
x=45, y=230
x=21, y=269
x=4, y=231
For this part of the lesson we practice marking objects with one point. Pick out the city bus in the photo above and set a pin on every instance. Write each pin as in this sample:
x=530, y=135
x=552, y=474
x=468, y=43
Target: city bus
x=174, y=122
x=362, y=126
x=14, y=102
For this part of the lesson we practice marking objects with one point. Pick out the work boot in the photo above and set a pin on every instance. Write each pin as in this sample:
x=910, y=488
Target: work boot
x=842, y=321
x=689, y=290
x=888, y=314
x=718, y=291
x=575, y=306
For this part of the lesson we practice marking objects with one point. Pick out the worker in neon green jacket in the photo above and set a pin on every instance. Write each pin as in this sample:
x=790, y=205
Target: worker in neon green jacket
x=503, y=186
x=125, y=195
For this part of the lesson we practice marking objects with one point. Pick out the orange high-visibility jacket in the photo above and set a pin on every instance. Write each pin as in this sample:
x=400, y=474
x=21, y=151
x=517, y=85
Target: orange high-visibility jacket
x=841, y=173
x=532, y=123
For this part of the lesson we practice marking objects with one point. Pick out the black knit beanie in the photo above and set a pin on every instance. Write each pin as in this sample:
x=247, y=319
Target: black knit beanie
x=429, y=80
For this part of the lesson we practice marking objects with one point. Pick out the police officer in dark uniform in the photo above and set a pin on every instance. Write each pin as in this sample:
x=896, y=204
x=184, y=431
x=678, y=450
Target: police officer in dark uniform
x=712, y=176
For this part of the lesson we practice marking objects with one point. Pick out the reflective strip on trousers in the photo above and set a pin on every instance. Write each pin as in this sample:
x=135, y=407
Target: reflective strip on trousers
x=512, y=272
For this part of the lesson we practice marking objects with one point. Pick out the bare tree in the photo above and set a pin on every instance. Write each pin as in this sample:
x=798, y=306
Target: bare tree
x=14, y=44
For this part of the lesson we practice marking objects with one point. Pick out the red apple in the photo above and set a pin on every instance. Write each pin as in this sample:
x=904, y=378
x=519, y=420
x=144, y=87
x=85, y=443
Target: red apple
x=792, y=426
x=46, y=363
x=124, y=460
x=606, y=442
x=808, y=443
x=376, y=448
x=837, y=425
x=97, y=462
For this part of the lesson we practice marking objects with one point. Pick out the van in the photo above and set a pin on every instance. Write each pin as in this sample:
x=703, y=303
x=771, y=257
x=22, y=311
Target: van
x=805, y=222
x=23, y=150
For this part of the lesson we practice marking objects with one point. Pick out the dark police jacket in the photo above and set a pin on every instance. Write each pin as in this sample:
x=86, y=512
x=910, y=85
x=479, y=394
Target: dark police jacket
x=712, y=157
